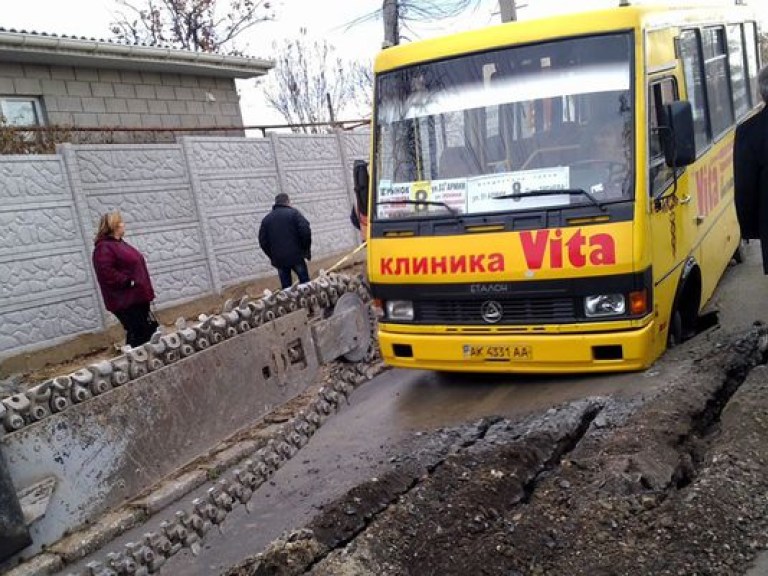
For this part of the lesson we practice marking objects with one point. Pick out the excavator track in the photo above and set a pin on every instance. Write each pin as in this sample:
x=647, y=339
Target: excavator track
x=317, y=298
x=198, y=384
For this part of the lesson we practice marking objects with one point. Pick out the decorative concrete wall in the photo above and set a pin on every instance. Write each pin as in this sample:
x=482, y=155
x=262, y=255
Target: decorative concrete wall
x=193, y=209
x=236, y=181
x=150, y=186
x=311, y=170
x=46, y=287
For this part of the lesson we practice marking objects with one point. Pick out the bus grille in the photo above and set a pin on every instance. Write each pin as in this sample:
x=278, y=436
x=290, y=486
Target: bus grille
x=537, y=310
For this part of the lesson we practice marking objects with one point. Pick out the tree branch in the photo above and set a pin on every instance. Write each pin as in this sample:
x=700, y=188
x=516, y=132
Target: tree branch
x=190, y=24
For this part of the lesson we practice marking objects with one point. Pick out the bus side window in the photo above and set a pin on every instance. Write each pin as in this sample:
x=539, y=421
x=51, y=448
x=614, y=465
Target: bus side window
x=750, y=43
x=662, y=92
x=690, y=52
x=718, y=84
x=736, y=62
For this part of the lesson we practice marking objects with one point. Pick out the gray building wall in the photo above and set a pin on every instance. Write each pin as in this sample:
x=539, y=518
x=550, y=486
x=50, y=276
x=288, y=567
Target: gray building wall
x=192, y=208
x=90, y=97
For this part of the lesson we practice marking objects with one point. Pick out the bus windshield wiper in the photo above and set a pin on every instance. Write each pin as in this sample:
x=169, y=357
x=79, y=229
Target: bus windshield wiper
x=453, y=212
x=550, y=192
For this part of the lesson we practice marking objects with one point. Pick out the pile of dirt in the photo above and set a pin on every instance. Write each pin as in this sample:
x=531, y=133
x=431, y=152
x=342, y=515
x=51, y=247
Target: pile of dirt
x=673, y=483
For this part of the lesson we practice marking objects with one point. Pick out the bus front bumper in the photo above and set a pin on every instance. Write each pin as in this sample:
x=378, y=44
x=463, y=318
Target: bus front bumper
x=522, y=353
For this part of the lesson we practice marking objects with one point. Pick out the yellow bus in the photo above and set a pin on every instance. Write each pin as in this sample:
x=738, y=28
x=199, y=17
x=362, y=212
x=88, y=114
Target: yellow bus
x=556, y=195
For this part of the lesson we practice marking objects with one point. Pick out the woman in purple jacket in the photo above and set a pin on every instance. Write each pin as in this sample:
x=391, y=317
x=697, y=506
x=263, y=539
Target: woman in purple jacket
x=124, y=280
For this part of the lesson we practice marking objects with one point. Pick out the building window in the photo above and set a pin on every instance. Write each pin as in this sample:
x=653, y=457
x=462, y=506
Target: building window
x=21, y=111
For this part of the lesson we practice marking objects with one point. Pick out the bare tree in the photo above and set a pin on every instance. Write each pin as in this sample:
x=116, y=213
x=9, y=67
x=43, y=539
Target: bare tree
x=309, y=83
x=399, y=15
x=200, y=25
x=361, y=77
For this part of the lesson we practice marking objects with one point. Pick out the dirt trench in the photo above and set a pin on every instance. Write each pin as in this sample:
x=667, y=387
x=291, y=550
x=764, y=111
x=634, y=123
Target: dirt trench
x=670, y=483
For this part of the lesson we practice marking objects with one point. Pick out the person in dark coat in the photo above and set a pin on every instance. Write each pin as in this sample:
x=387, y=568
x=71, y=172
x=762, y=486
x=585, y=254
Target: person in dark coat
x=286, y=239
x=750, y=173
x=124, y=280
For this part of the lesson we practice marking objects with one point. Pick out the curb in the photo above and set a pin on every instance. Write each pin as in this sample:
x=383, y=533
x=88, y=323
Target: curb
x=170, y=491
x=84, y=542
x=40, y=565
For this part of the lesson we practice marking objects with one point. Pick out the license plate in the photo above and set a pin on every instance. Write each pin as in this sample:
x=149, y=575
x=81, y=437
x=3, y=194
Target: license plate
x=513, y=353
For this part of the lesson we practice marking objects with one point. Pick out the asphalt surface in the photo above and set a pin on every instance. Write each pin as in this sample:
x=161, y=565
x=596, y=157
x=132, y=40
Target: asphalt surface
x=387, y=412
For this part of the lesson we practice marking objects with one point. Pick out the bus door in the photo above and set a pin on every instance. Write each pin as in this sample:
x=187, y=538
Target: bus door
x=666, y=203
x=672, y=199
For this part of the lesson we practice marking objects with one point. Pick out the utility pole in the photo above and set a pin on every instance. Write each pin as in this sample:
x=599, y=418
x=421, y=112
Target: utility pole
x=508, y=10
x=330, y=109
x=391, y=23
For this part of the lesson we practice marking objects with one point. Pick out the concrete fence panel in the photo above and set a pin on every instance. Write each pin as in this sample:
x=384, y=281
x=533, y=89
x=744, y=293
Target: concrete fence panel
x=235, y=181
x=311, y=170
x=354, y=146
x=46, y=288
x=192, y=208
x=150, y=186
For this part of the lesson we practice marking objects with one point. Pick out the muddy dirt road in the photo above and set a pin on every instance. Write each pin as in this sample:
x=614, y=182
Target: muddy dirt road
x=666, y=477
x=660, y=472
x=387, y=419
x=670, y=484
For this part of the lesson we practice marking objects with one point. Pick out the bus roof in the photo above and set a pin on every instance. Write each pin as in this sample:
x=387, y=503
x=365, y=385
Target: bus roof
x=553, y=27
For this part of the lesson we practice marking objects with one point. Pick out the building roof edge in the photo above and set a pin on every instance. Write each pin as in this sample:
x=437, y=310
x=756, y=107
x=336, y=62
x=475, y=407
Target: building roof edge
x=40, y=48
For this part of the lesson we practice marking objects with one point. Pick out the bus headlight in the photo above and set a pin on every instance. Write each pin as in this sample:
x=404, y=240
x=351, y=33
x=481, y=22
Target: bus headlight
x=399, y=310
x=604, y=305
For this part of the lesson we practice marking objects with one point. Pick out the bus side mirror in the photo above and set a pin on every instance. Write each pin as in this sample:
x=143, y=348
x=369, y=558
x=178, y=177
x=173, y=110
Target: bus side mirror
x=360, y=179
x=677, y=136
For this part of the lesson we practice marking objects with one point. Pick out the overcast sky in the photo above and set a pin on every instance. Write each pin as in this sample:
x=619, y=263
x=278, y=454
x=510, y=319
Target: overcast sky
x=92, y=18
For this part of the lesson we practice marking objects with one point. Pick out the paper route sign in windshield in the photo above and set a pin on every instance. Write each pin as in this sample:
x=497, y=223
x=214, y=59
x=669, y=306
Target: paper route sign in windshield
x=483, y=190
x=479, y=193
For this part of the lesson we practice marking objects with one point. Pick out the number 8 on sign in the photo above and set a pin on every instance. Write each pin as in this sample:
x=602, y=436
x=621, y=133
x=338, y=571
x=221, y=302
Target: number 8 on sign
x=421, y=195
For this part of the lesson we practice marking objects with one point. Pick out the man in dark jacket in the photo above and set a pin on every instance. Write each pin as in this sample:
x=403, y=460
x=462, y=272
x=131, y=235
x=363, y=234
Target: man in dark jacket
x=750, y=172
x=286, y=239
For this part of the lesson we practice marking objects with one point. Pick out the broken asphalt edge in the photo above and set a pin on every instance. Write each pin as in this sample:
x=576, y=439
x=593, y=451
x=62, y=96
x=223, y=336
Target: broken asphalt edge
x=302, y=549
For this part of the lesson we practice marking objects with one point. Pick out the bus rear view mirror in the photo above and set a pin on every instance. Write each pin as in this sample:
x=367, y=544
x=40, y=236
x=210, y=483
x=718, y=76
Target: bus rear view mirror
x=677, y=137
x=361, y=179
x=359, y=215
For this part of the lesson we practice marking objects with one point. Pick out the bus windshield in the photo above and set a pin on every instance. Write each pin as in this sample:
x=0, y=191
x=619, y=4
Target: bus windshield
x=503, y=130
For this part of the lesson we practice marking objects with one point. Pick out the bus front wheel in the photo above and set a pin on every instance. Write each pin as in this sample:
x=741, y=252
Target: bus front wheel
x=675, y=334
